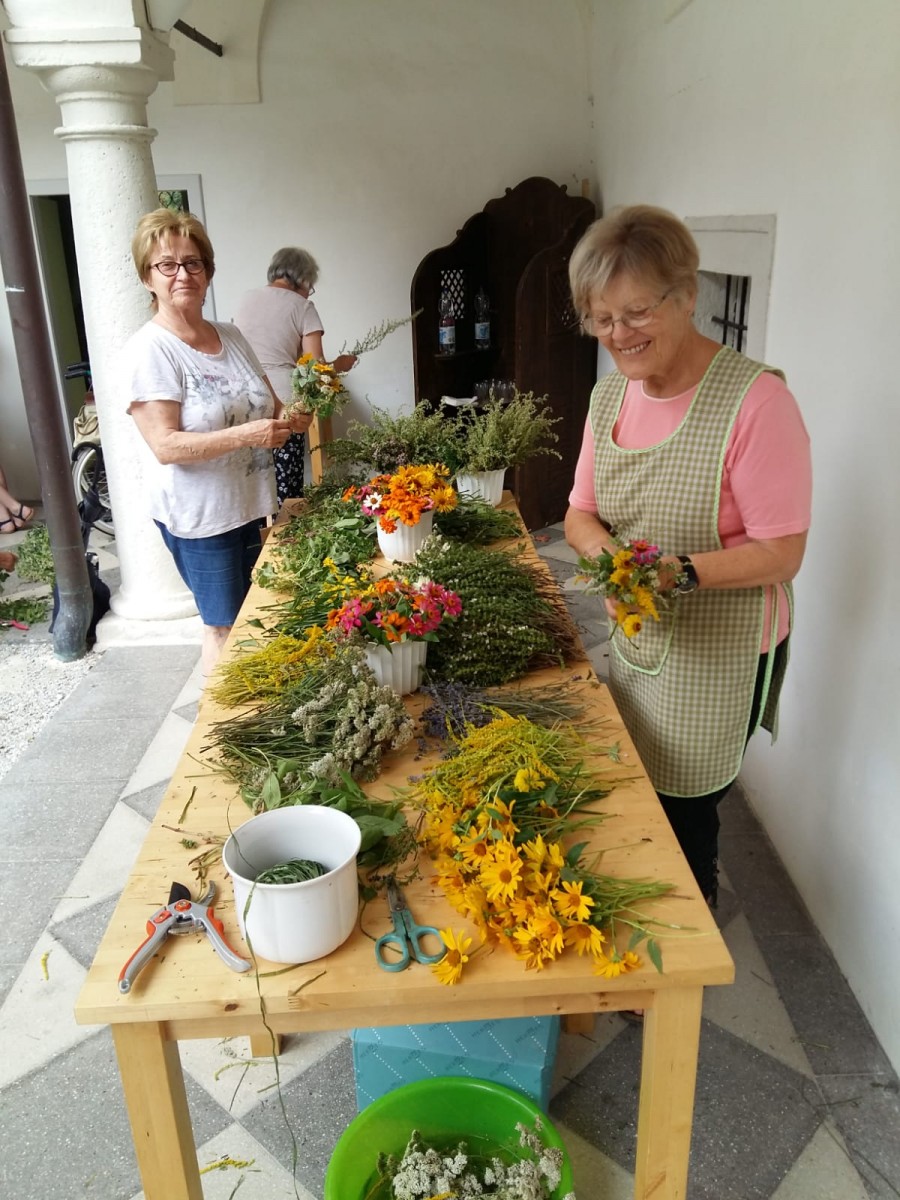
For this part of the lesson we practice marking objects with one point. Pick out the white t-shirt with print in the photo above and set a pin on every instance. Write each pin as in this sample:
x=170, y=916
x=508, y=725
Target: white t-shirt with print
x=215, y=391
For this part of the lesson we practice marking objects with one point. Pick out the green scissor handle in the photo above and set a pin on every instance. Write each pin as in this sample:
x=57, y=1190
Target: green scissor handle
x=406, y=936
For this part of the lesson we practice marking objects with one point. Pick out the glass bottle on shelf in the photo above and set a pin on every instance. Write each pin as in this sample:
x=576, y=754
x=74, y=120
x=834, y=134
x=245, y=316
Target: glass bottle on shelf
x=446, y=325
x=482, y=321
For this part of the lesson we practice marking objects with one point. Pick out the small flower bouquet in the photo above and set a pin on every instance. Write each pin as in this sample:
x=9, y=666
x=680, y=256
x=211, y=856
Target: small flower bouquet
x=401, y=498
x=426, y=1172
x=392, y=610
x=316, y=388
x=630, y=577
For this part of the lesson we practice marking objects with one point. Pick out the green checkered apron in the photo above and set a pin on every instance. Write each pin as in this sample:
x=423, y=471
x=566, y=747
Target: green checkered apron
x=684, y=685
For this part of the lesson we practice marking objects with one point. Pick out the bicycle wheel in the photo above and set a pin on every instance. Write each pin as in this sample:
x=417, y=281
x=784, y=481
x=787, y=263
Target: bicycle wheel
x=89, y=472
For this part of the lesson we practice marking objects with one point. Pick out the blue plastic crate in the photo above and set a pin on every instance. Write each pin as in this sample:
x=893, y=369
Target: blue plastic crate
x=519, y=1052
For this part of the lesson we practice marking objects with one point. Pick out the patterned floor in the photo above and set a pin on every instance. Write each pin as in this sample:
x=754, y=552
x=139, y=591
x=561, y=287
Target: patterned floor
x=795, y=1100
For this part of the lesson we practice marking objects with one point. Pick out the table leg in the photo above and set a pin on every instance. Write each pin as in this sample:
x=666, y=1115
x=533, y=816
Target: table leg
x=666, y=1106
x=157, y=1109
x=261, y=1044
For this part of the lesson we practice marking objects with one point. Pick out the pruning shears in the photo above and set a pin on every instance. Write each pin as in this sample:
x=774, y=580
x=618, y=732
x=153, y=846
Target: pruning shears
x=182, y=915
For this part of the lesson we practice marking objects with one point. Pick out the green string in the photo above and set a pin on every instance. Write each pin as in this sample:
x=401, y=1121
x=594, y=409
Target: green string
x=295, y=870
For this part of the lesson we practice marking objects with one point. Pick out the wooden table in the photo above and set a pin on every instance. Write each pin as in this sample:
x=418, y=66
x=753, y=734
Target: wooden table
x=188, y=992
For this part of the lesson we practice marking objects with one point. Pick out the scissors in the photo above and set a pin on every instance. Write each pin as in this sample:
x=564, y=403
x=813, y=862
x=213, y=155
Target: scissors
x=406, y=936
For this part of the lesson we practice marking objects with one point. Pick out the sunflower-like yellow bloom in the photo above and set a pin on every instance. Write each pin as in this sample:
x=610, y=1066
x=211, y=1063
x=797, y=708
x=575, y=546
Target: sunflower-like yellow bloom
x=527, y=780
x=616, y=964
x=501, y=873
x=632, y=624
x=622, y=558
x=586, y=939
x=646, y=603
x=571, y=903
x=449, y=970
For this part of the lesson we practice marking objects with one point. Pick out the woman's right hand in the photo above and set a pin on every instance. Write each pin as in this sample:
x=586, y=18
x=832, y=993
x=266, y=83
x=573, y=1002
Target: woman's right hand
x=269, y=433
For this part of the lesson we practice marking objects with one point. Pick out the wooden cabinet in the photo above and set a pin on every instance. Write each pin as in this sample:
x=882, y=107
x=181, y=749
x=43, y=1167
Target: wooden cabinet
x=517, y=248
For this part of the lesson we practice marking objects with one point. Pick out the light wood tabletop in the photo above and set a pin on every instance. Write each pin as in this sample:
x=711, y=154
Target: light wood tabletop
x=187, y=991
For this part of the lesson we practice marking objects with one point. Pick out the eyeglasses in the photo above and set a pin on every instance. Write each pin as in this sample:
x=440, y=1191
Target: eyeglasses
x=632, y=318
x=310, y=290
x=170, y=268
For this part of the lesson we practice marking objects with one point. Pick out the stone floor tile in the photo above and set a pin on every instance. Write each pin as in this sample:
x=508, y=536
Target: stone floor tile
x=596, y=1176
x=24, y=907
x=751, y=1008
x=768, y=896
x=147, y=800
x=829, y=1022
x=550, y=533
x=66, y=1132
x=107, y=865
x=735, y=812
x=866, y=1110
x=69, y=751
x=559, y=550
x=739, y=1151
x=598, y=657
x=244, y=1081
x=81, y=933
x=188, y=712
x=823, y=1171
x=192, y=688
x=576, y=1050
x=320, y=1104
x=162, y=755
x=262, y=1179
x=37, y=1017
x=56, y=819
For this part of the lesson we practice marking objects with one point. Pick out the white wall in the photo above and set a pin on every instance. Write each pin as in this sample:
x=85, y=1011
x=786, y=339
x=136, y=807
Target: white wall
x=381, y=129
x=719, y=107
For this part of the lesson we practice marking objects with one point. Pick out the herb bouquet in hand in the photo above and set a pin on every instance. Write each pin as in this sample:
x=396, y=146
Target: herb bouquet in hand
x=629, y=577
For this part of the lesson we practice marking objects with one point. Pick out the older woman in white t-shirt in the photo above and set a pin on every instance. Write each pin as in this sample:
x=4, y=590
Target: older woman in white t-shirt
x=280, y=322
x=209, y=421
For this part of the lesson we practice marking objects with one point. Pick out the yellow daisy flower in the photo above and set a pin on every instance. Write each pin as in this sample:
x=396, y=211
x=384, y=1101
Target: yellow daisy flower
x=501, y=873
x=585, y=939
x=449, y=969
x=571, y=903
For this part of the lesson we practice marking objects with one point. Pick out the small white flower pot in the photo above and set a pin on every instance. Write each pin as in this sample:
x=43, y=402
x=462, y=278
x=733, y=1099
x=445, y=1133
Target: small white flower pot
x=398, y=666
x=406, y=541
x=485, y=485
x=295, y=922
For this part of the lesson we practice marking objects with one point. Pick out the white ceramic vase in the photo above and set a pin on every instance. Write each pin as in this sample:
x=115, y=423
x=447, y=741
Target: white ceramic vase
x=295, y=922
x=406, y=541
x=398, y=666
x=485, y=485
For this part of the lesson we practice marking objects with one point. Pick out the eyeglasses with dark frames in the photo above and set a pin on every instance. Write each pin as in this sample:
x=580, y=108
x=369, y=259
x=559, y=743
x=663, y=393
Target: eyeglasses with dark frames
x=170, y=268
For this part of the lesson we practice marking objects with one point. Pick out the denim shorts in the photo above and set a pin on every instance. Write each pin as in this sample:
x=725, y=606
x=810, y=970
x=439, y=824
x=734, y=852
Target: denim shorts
x=216, y=569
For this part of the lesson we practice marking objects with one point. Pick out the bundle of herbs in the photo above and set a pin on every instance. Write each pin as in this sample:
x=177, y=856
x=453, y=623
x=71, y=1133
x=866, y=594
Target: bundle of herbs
x=513, y=618
x=455, y=707
x=333, y=719
x=474, y=520
x=259, y=671
x=389, y=442
x=326, y=528
x=504, y=433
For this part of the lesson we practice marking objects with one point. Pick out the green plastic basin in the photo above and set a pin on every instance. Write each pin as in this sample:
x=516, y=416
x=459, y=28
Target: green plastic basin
x=447, y=1110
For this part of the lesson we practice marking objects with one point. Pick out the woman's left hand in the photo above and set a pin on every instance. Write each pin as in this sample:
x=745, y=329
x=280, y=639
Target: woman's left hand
x=344, y=362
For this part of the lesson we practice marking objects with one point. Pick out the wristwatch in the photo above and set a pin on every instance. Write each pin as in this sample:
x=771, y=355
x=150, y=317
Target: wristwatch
x=687, y=581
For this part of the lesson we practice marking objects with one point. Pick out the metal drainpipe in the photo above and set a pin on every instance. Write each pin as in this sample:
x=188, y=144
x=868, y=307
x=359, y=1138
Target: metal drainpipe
x=37, y=370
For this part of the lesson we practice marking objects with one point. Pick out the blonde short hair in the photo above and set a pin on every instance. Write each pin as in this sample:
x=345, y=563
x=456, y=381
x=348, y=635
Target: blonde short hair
x=648, y=243
x=163, y=223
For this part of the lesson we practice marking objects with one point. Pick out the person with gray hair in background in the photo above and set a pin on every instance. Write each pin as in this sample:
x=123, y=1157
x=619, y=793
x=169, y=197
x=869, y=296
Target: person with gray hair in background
x=280, y=322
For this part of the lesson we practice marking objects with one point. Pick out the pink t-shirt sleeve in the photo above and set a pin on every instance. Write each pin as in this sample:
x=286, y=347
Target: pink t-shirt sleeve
x=582, y=495
x=768, y=462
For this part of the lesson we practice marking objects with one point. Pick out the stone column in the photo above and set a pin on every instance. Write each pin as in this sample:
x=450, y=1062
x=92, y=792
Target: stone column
x=101, y=75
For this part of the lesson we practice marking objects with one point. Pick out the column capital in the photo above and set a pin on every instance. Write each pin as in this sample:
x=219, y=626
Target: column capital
x=72, y=41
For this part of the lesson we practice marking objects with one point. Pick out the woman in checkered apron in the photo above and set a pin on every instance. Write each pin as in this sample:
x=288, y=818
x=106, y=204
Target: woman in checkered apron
x=703, y=452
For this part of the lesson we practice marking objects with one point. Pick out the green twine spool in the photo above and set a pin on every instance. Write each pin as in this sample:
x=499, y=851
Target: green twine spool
x=295, y=870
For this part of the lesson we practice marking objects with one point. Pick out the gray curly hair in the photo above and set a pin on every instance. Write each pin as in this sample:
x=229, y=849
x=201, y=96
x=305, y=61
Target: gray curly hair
x=297, y=266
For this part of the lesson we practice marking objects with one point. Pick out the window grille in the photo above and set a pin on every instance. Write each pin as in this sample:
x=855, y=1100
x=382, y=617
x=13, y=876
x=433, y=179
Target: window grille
x=722, y=308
